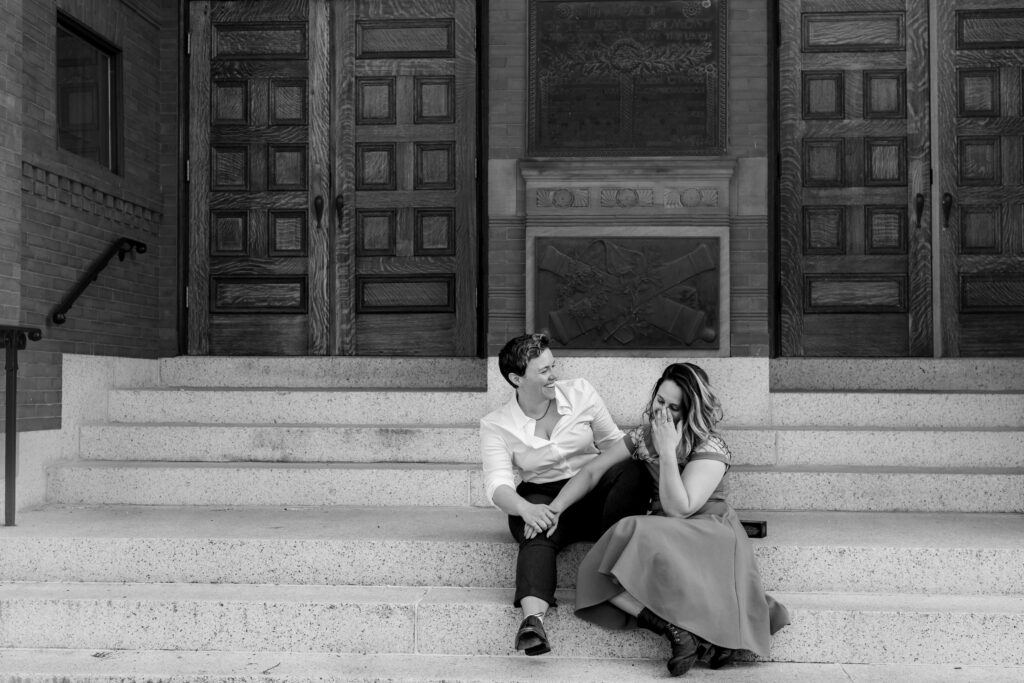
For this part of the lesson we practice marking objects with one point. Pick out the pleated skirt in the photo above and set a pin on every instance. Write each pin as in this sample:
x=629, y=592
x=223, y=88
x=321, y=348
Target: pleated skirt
x=698, y=573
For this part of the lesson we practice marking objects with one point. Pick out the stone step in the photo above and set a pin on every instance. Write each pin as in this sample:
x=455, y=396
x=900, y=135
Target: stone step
x=940, y=410
x=896, y=374
x=375, y=443
x=279, y=443
x=99, y=482
x=826, y=628
x=296, y=407
x=936, y=411
x=924, y=448
x=328, y=372
x=157, y=666
x=804, y=552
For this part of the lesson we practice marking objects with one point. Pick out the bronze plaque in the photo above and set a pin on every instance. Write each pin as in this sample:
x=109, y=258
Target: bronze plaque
x=628, y=292
x=629, y=77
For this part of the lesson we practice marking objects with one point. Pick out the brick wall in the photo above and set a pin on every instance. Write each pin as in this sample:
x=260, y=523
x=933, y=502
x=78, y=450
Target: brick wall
x=10, y=162
x=71, y=209
x=748, y=134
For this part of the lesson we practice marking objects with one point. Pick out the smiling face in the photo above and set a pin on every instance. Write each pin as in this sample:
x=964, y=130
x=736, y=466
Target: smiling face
x=538, y=380
x=669, y=397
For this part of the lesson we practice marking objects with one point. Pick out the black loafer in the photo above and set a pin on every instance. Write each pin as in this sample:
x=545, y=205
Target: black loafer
x=531, y=638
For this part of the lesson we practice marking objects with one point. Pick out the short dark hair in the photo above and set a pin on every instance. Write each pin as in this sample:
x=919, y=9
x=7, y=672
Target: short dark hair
x=518, y=352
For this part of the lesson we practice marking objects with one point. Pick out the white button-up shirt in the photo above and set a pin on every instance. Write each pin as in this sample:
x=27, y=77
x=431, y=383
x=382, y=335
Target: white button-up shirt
x=507, y=441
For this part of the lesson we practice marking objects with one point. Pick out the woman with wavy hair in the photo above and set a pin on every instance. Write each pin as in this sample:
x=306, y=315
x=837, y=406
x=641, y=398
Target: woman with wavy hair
x=687, y=570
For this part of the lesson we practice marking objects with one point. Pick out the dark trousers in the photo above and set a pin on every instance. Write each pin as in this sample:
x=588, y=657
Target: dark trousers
x=624, y=490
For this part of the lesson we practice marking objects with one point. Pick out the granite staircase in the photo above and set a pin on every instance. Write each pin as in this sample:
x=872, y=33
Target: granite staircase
x=323, y=519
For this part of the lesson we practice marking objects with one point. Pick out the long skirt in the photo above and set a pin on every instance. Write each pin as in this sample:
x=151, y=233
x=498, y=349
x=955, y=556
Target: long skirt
x=698, y=573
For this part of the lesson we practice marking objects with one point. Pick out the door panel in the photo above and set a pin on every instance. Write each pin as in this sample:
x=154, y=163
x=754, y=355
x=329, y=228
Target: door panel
x=855, y=244
x=981, y=117
x=333, y=204
x=259, y=141
x=405, y=101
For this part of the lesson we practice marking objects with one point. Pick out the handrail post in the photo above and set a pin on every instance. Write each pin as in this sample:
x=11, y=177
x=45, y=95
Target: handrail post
x=11, y=427
x=13, y=338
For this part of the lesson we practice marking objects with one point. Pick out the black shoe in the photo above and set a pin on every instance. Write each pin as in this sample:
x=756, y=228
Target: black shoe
x=719, y=656
x=715, y=655
x=684, y=644
x=531, y=637
x=684, y=650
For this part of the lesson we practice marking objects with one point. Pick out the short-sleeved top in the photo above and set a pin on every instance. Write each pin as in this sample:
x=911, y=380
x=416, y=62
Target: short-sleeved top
x=638, y=440
x=508, y=442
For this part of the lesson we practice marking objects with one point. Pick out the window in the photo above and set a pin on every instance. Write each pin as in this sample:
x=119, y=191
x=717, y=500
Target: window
x=87, y=94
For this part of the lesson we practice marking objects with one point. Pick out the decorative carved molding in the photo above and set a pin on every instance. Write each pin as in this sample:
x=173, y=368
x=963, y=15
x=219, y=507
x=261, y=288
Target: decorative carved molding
x=646, y=77
x=690, y=197
x=563, y=197
x=630, y=286
x=627, y=197
x=637, y=186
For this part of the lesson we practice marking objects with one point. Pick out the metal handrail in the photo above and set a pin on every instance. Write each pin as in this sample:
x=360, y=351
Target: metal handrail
x=121, y=247
x=13, y=337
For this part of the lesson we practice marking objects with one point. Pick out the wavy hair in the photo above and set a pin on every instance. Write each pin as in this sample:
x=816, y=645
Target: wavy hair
x=700, y=409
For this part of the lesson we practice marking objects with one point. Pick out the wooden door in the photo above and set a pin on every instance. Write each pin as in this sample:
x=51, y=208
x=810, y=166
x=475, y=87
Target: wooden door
x=855, y=225
x=405, y=141
x=981, y=182
x=259, y=171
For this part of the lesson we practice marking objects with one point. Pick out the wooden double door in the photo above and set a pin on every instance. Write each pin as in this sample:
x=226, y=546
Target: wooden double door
x=901, y=180
x=332, y=177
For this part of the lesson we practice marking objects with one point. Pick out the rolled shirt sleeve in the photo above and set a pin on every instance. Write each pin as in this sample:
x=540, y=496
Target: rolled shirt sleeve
x=496, y=453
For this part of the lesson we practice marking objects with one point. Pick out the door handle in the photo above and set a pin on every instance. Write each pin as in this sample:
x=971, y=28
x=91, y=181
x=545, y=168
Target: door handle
x=918, y=208
x=339, y=206
x=318, y=207
x=947, y=205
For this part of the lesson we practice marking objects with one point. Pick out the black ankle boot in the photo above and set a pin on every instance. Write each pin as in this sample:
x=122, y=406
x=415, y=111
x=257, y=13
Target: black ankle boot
x=715, y=655
x=720, y=656
x=684, y=645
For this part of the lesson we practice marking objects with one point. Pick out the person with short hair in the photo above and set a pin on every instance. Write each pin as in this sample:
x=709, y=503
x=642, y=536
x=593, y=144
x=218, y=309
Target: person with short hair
x=687, y=571
x=548, y=431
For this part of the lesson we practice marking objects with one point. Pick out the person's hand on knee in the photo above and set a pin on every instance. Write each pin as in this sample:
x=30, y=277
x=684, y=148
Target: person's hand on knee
x=536, y=519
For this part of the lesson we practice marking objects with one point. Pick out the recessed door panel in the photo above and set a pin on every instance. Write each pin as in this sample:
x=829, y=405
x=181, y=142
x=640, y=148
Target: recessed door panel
x=258, y=155
x=405, y=133
x=333, y=201
x=981, y=182
x=855, y=246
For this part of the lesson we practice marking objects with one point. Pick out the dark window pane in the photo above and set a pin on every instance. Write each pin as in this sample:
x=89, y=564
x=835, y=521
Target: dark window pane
x=85, y=97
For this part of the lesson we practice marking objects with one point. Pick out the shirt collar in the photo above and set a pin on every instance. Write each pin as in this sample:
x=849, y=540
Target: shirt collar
x=521, y=419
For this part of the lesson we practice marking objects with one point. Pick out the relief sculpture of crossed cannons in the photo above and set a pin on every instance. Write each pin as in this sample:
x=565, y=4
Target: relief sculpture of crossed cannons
x=622, y=294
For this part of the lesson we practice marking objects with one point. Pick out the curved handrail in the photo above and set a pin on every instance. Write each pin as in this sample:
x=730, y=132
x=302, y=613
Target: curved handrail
x=121, y=247
x=12, y=338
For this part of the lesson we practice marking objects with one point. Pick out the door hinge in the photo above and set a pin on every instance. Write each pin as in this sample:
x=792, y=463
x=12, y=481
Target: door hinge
x=931, y=176
x=188, y=170
x=186, y=296
x=188, y=43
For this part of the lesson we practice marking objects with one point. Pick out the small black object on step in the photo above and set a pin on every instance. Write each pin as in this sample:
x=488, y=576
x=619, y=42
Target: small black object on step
x=757, y=528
